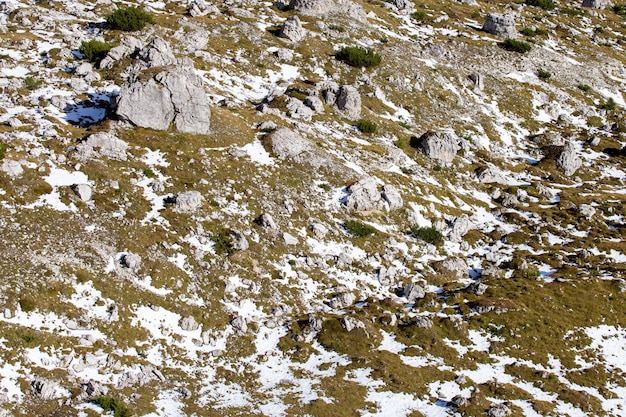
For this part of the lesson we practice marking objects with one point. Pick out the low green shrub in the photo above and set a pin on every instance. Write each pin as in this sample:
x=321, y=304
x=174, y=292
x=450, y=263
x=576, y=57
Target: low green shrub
x=359, y=229
x=608, y=105
x=428, y=234
x=516, y=46
x=94, y=50
x=129, y=19
x=366, y=126
x=533, y=32
x=419, y=15
x=3, y=150
x=338, y=28
x=27, y=304
x=620, y=9
x=544, y=75
x=113, y=404
x=223, y=243
x=544, y=4
x=359, y=57
x=584, y=87
x=32, y=83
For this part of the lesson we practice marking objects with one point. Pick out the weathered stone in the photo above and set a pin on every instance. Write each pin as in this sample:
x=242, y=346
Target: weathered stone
x=83, y=191
x=393, y=198
x=312, y=7
x=189, y=324
x=364, y=195
x=342, y=300
x=350, y=323
x=349, y=102
x=131, y=261
x=102, y=144
x=239, y=240
x=188, y=202
x=490, y=174
x=500, y=25
x=454, y=266
x=568, y=160
x=596, y=4
x=439, y=146
x=292, y=29
x=239, y=324
x=43, y=389
x=287, y=144
x=319, y=230
x=12, y=168
x=266, y=221
x=413, y=292
x=298, y=110
x=314, y=103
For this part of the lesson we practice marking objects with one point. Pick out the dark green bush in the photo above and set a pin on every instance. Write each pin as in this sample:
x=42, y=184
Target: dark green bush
x=620, y=9
x=338, y=28
x=515, y=45
x=544, y=4
x=419, y=15
x=584, y=87
x=129, y=19
x=609, y=105
x=358, y=229
x=544, y=75
x=533, y=32
x=223, y=243
x=94, y=50
x=428, y=234
x=359, y=57
x=113, y=404
x=32, y=83
x=366, y=126
x=3, y=150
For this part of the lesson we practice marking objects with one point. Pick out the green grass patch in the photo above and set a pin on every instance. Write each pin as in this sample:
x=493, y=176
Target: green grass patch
x=32, y=83
x=584, y=87
x=129, y=19
x=543, y=75
x=515, y=46
x=608, y=105
x=3, y=150
x=223, y=243
x=338, y=28
x=359, y=57
x=419, y=15
x=113, y=404
x=359, y=229
x=428, y=234
x=620, y=10
x=544, y=4
x=366, y=126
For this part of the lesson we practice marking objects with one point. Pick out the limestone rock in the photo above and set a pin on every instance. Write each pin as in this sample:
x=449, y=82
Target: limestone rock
x=319, y=230
x=102, y=144
x=439, y=146
x=239, y=324
x=596, y=4
x=342, y=300
x=131, y=261
x=500, y=25
x=413, y=292
x=44, y=389
x=128, y=46
x=453, y=266
x=287, y=144
x=188, y=202
x=83, y=191
x=568, y=160
x=12, y=168
x=292, y=29
x=189, y=324
x=298, y=110
x=364, y=195
x=314, y=103
x=391, y=195
x=490, y=174
x=312, y=7
x=266, y=221
x=349, y=102
x=239, y=240
x=199, y=8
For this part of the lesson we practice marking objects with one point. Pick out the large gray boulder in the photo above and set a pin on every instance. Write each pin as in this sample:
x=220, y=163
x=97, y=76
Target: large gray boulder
x=312, y=7
x=364, y=195
x=12, y=168
x=439, y=146
x=348, y=101
x=102, y=144
x=128, y=46
x=502, y=25
x=173, y=95
x=188, y=202
x=393, y=198
x=568, y=160
x=284, y=143
x=596, y=4
x=157, y=54
x=292, y=29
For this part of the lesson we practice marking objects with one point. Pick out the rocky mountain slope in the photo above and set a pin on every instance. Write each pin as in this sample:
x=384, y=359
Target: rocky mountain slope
x=349, y=208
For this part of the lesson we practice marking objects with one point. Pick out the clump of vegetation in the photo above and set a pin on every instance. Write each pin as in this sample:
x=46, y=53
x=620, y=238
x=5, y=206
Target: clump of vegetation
x=94, y=50
x=32, y=83
x=338, y=28
x=428, y=234
x=359, y=229
x=366, y=126
x=544, y=4
x=584, y=87
x=530, y=32
x=149, y=173
x=620, y=9
x=113, y=404
x=3, y=150
x=608, y=105
x=129, y=19
x=544, y=75
x=516, y=46
x=223, y=243
x=359, y=57
x=27, y=304
x=419, y=15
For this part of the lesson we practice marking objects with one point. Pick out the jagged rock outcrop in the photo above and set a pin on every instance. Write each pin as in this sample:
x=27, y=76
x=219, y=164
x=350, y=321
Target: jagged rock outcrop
x=348, y=102
x=393, y=198
x=490, y=174
x=189, y=324
x=364, y=195
x=453, y=266
x=596, y=4
x=131, y=261
x=312, y=7
x=199, y=8
x=502, y=25
x=437, y=145
x=102, y=144
x=292, y=29
x=129, y=45
x=413, y=292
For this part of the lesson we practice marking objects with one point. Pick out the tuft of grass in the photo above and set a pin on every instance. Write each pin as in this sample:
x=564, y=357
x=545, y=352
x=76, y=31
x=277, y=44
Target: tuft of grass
x=27, y=304
x=533, y=32
x=544, y=4
x=338, y=28
x=366, y=126
x=544, y=75
x=94, y=50
x=428, y=234
x=359, y=229
x=516, y=46
x=359, y=57
x=608, y=105
x=3, y=150
x=584, y=87
x=419, y=15
x=149, y=173
x=129, y=19
x=113, y=404
x=32, y=83
x=620, y=10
